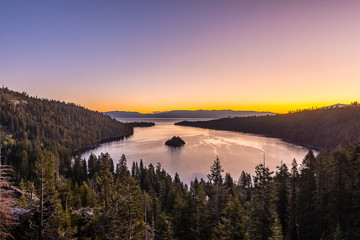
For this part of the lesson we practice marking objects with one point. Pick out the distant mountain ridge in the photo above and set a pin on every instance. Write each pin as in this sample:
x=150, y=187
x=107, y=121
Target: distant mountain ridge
x=188, y=114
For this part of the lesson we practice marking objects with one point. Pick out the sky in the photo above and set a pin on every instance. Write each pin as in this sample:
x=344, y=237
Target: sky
x=164, y=55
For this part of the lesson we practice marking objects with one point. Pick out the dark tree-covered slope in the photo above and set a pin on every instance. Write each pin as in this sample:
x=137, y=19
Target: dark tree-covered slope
x=63, y=128
x=315, y=128
x=50, y=121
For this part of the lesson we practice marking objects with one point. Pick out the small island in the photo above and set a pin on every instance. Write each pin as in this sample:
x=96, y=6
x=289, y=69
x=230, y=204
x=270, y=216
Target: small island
x=175, y=142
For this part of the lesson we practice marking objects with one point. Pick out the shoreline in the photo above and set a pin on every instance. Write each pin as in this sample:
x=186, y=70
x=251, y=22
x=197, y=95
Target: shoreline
x=98, y=143
x=258, y=134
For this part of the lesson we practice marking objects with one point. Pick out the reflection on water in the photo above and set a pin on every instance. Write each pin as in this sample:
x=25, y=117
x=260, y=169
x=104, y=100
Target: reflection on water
x=237, y=151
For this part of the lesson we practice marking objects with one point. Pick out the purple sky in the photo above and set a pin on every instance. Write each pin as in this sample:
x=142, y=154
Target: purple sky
x=161, y=55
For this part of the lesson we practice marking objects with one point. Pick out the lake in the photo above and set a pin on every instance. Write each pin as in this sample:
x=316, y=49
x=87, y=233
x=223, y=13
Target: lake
x=236, y=151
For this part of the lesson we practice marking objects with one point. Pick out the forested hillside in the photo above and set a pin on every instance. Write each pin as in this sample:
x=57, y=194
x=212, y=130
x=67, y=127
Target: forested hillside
x=43, y=195
x=319, y=128
x=314, y=198
x=34, y=124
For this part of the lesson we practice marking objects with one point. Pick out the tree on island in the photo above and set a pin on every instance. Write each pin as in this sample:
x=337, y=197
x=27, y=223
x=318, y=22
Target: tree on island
x=175, y=142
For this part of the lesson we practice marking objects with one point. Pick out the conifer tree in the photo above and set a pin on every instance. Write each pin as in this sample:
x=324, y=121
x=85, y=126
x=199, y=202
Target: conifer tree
x=126, y=213
x=179, y=218
x=7, y=218
x=199, y=213
x=92, y=165
x=277, y=232
x=261, y=206
x=282, y=192
x=216, y=192
x=87, y=196
x=307, y=214
x=104, y=179
x=232, y=222
x=54, y=222
x=294, y=175
x=121, y=168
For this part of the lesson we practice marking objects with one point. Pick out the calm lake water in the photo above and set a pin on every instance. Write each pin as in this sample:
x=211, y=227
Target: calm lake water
x=236, y=151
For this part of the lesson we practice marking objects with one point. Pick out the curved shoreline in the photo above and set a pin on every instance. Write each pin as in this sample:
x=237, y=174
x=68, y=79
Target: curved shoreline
x=308, y=146
x=98, y=143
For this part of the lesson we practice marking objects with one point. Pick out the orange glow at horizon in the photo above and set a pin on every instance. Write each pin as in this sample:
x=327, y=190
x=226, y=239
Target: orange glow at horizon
x=240, y=55
x=281, y=108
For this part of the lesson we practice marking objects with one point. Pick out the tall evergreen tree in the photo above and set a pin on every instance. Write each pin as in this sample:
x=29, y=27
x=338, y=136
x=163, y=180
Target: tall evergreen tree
x=199, y=212
x=126, y=213
x=216, y=192
x=7, y=217
x=282, y=192
x=179, y=218
x=307, y=215
x=54, y=222
x=294, y=175
x=104, y=179
x=261, y=206
x=121, y=168
x=232, y=223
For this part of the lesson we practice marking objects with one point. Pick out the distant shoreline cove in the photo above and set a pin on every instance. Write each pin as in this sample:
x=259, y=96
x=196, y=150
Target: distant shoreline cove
x=101, y=141
x=112, y=139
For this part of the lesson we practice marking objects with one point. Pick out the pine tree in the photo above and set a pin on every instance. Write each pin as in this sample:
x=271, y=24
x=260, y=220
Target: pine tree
x=179, y=218
x=307, y=214
x=243, y=180
x=282, y=193
x=76, y=196
x=354, y=207
x=232, y=222
x=77, y=170
x=157, y=222
x=54, y=222
x=339, y=171
x=121, y=168
x=199, y=211
x=261, y=206
x=87, y=196
x=215, y=176
x=104, y=179
x=126, y=213
x=277, y=232
x=7, y=218
x=294, y=175
x=92, y=165
x=216, y=192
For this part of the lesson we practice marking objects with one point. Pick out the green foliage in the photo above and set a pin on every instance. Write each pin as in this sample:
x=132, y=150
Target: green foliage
x=261, y=205
x=22, y=202
x=104, y=180
x=92, y=199
x=54, y=221
x=199, y=221
x=216, y=170
x=277, y=233
x=282, y=197
x=232, y=223
x=62, y=128
x=307, y=211
x=148, y=203
x=126, y=213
